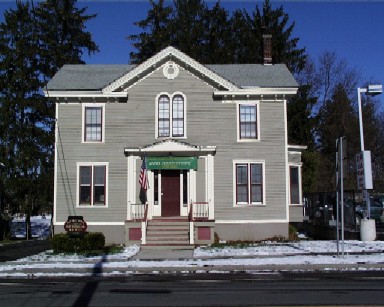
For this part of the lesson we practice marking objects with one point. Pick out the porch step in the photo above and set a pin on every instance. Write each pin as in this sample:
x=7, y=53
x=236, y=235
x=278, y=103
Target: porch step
x=170, y=232
x=167, y=247
x=164, y=225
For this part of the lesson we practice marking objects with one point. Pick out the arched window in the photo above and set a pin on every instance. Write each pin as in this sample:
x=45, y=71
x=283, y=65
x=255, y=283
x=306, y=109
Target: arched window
x=164, y=119
x=178, y=116
x=171, y=115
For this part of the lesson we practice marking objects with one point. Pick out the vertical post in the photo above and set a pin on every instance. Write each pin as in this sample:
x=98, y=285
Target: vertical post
x=365, y=192
x=191, y=233
x=359, y=91
x=144, y=232
x=342, y=195
x=337, y=198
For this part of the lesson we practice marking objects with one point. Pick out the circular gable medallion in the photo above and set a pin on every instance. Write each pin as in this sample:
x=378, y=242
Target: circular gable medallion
x=170, y=70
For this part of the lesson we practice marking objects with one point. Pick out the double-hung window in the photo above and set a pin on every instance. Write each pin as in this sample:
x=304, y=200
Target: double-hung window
x=294, y=174
x=163, y=119
x=93, y=123
x=92, y=184
x=178, y=116
x=171, y=115
x=249, y=183
x=248, y=125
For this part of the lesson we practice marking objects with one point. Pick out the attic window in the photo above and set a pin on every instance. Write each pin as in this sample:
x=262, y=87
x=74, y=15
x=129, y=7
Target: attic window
x=170, y=70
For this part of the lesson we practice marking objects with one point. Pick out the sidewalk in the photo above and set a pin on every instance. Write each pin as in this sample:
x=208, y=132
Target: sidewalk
x=269, y=257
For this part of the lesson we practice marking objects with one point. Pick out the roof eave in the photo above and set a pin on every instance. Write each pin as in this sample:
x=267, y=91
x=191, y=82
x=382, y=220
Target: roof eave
x=84, y=94
x=259, y=92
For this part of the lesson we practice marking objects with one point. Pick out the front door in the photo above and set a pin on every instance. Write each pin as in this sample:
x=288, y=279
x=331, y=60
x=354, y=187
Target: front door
x=170, y=193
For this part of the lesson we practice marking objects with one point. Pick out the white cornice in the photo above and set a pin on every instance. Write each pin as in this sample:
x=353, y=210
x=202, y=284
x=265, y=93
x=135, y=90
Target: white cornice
x=84, y=94
x=171, y=145
x=159, y=57
x=260, y=91
x=296, y=148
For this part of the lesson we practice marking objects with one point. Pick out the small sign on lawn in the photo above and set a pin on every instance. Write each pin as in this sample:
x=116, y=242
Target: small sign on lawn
x=75, y=225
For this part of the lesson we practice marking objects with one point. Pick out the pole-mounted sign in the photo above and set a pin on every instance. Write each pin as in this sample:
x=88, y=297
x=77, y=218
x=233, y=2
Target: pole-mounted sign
x=364, y=170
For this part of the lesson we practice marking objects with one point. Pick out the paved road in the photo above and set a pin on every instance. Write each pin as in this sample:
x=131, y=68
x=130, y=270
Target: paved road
x=277, y=289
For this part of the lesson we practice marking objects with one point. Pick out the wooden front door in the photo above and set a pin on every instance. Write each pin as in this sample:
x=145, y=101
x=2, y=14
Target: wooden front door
x=170, y=193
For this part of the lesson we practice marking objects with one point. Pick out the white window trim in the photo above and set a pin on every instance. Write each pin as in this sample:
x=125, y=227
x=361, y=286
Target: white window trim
x=79, y=164
x=248, y=103
x=248, y=162
x=170, y=96
x=300, y=184
x=83, y=106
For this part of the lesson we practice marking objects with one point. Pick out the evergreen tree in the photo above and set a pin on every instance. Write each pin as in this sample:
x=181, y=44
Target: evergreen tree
x=156, y=34
x=217, y=36
x=22, y=106
x=62, y=35
x=188, y=24
x=245, y=45
x=212, y=37
x=284, y=48
x=34, y=43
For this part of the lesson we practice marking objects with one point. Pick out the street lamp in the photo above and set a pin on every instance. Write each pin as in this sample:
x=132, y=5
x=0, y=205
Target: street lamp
x=365, y=182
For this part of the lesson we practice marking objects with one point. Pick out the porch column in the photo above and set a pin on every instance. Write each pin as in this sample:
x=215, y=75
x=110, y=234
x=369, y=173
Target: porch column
x=131, y=191
x=211, y=186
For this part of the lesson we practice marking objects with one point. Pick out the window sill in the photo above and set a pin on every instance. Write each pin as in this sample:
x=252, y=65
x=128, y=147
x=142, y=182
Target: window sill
x=91, y=206
x=248, y=140
x=93, y=142
x=249, y=205
x=171, y=138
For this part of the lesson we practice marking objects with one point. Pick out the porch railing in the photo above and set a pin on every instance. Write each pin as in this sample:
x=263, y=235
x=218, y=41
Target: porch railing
x=139, y=212
x=199, y=211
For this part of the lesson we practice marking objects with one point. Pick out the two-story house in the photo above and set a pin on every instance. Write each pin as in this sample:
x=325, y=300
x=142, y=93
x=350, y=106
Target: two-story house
x=214, y=138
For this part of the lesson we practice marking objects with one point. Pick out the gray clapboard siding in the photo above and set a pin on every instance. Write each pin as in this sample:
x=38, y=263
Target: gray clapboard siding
x=70, y=151
x=209, y=122
x=295, y=214
x=294, y=157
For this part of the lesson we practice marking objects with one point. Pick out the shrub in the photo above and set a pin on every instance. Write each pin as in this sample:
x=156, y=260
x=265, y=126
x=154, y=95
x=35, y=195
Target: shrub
x=216, y=239
x=63, y=243
x=292, y=233
x=94, y=241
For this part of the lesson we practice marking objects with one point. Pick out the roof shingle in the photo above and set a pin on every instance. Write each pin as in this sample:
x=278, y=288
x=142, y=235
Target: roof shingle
x=95, y=77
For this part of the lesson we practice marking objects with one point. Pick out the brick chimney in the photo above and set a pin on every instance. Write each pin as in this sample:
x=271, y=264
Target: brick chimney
x=267, y=49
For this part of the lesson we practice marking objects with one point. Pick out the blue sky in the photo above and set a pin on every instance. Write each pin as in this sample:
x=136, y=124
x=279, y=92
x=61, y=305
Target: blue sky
x=353, y=29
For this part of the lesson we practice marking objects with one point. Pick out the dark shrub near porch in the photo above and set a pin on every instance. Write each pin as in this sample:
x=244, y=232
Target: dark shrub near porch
x=63, y=243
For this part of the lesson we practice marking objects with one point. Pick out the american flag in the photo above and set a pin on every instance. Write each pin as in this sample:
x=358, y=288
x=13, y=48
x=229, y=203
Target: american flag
x=143, y=179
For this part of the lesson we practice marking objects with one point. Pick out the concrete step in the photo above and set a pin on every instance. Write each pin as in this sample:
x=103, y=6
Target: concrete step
x=167, y=227
x=168, y=242
x=167, y=246
x=168, y=223
x=169, y=237
x=167, y=234
x=169, y=231
x=170, y=218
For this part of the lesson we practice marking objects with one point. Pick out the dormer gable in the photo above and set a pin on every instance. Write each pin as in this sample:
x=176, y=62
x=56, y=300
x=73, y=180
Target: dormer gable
x=171, y=55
